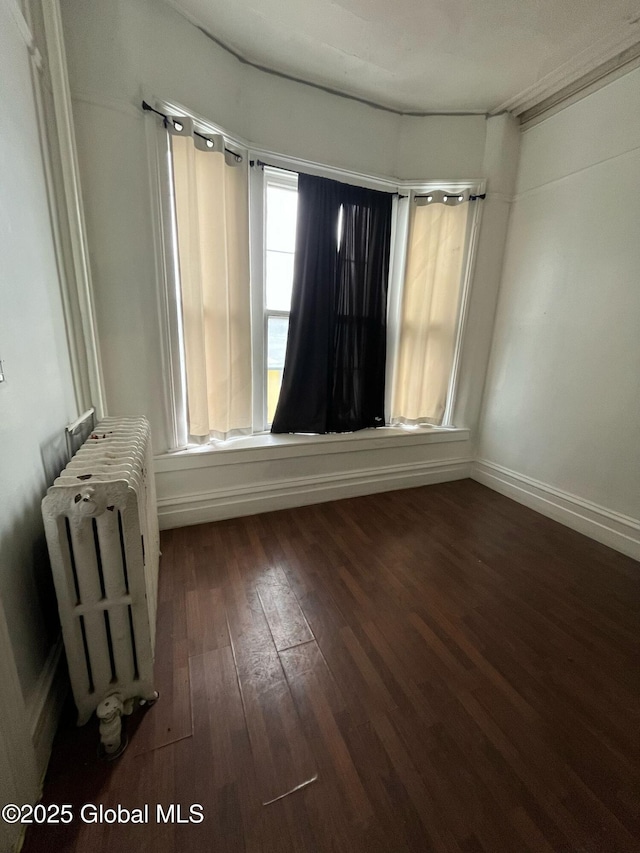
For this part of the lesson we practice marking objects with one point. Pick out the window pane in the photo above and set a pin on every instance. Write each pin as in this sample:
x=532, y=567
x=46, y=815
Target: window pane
x=282, y=206
x=277, y=329
x=279, y=280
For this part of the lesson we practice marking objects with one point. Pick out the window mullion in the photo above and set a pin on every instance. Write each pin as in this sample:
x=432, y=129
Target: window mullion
x=257, y=239
x=397, y=265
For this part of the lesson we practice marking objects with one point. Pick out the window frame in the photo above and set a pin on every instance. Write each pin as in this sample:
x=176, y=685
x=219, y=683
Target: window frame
x=260, y=179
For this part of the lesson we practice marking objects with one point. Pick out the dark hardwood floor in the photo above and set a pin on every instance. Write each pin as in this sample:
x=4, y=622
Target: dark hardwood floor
x=440, y=668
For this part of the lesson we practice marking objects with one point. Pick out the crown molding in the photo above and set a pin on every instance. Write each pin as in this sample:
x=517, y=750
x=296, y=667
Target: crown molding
x=597, y=79
x=610, y=56
x=615, y=50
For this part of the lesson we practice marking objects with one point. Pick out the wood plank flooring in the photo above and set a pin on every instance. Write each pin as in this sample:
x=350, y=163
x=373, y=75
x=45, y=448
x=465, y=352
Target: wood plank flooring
x=439, y=669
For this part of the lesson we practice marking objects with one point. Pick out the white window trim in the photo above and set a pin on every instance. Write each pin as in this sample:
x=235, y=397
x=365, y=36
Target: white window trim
x=397, y=266
x=284, y=446
x=258, y=181
x=170, y=319
x=257, y=239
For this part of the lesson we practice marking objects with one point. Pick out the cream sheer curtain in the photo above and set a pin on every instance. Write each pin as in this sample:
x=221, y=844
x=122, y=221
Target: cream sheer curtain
x=212, y=218
x=429, y=313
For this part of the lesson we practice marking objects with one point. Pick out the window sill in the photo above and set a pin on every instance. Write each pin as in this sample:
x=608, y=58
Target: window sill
x=268, y=447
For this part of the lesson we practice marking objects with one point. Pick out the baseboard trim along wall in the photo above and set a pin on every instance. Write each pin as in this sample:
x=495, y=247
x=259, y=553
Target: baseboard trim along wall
x=218, y=504
x=611, y=528
x=45, y=705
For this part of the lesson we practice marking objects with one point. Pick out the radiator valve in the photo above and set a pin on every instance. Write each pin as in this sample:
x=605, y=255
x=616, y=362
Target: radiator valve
x=110, y=712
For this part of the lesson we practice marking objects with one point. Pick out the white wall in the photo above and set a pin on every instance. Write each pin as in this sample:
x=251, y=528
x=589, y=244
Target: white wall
x=120, y=50
x=37, y=399
x=499, y=167
x=562, y=401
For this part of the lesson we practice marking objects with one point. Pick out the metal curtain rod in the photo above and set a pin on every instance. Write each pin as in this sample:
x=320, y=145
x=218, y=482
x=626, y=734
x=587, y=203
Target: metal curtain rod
x=454, y=193
x=147, y=107
x=261, y=164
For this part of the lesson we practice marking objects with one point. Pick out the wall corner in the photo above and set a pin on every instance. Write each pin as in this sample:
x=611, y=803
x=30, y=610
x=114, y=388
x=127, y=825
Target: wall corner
x=500, y=167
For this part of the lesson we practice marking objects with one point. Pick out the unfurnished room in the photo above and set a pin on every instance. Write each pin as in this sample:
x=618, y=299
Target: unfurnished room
x=320, y=426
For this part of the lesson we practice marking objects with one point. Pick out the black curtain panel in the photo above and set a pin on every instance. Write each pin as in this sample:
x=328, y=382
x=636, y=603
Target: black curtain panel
x=303, y=402
x=334, y=373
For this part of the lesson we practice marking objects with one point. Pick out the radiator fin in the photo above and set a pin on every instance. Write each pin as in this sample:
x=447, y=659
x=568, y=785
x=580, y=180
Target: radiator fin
x=96, y=545
x=72, y=560
x=87, y=659
x=123, y=552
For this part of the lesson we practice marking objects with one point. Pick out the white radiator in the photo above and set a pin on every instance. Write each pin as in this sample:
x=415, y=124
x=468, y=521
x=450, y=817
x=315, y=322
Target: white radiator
x=102, y=531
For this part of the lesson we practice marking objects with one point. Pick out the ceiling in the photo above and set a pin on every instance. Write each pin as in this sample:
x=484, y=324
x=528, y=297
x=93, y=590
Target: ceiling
x=426, y=55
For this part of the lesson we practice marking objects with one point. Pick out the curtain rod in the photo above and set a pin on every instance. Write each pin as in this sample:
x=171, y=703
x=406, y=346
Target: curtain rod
x=261, y=164
x=148, y=108
x=472, y=197
x=453, y=193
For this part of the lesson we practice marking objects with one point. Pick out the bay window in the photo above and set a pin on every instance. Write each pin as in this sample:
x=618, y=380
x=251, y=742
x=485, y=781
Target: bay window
x=233, y=249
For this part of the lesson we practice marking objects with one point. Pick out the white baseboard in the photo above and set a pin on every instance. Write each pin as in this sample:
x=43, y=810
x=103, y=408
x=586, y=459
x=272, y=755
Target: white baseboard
x=215, y=505
x=611, y=528
x=45, y=705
